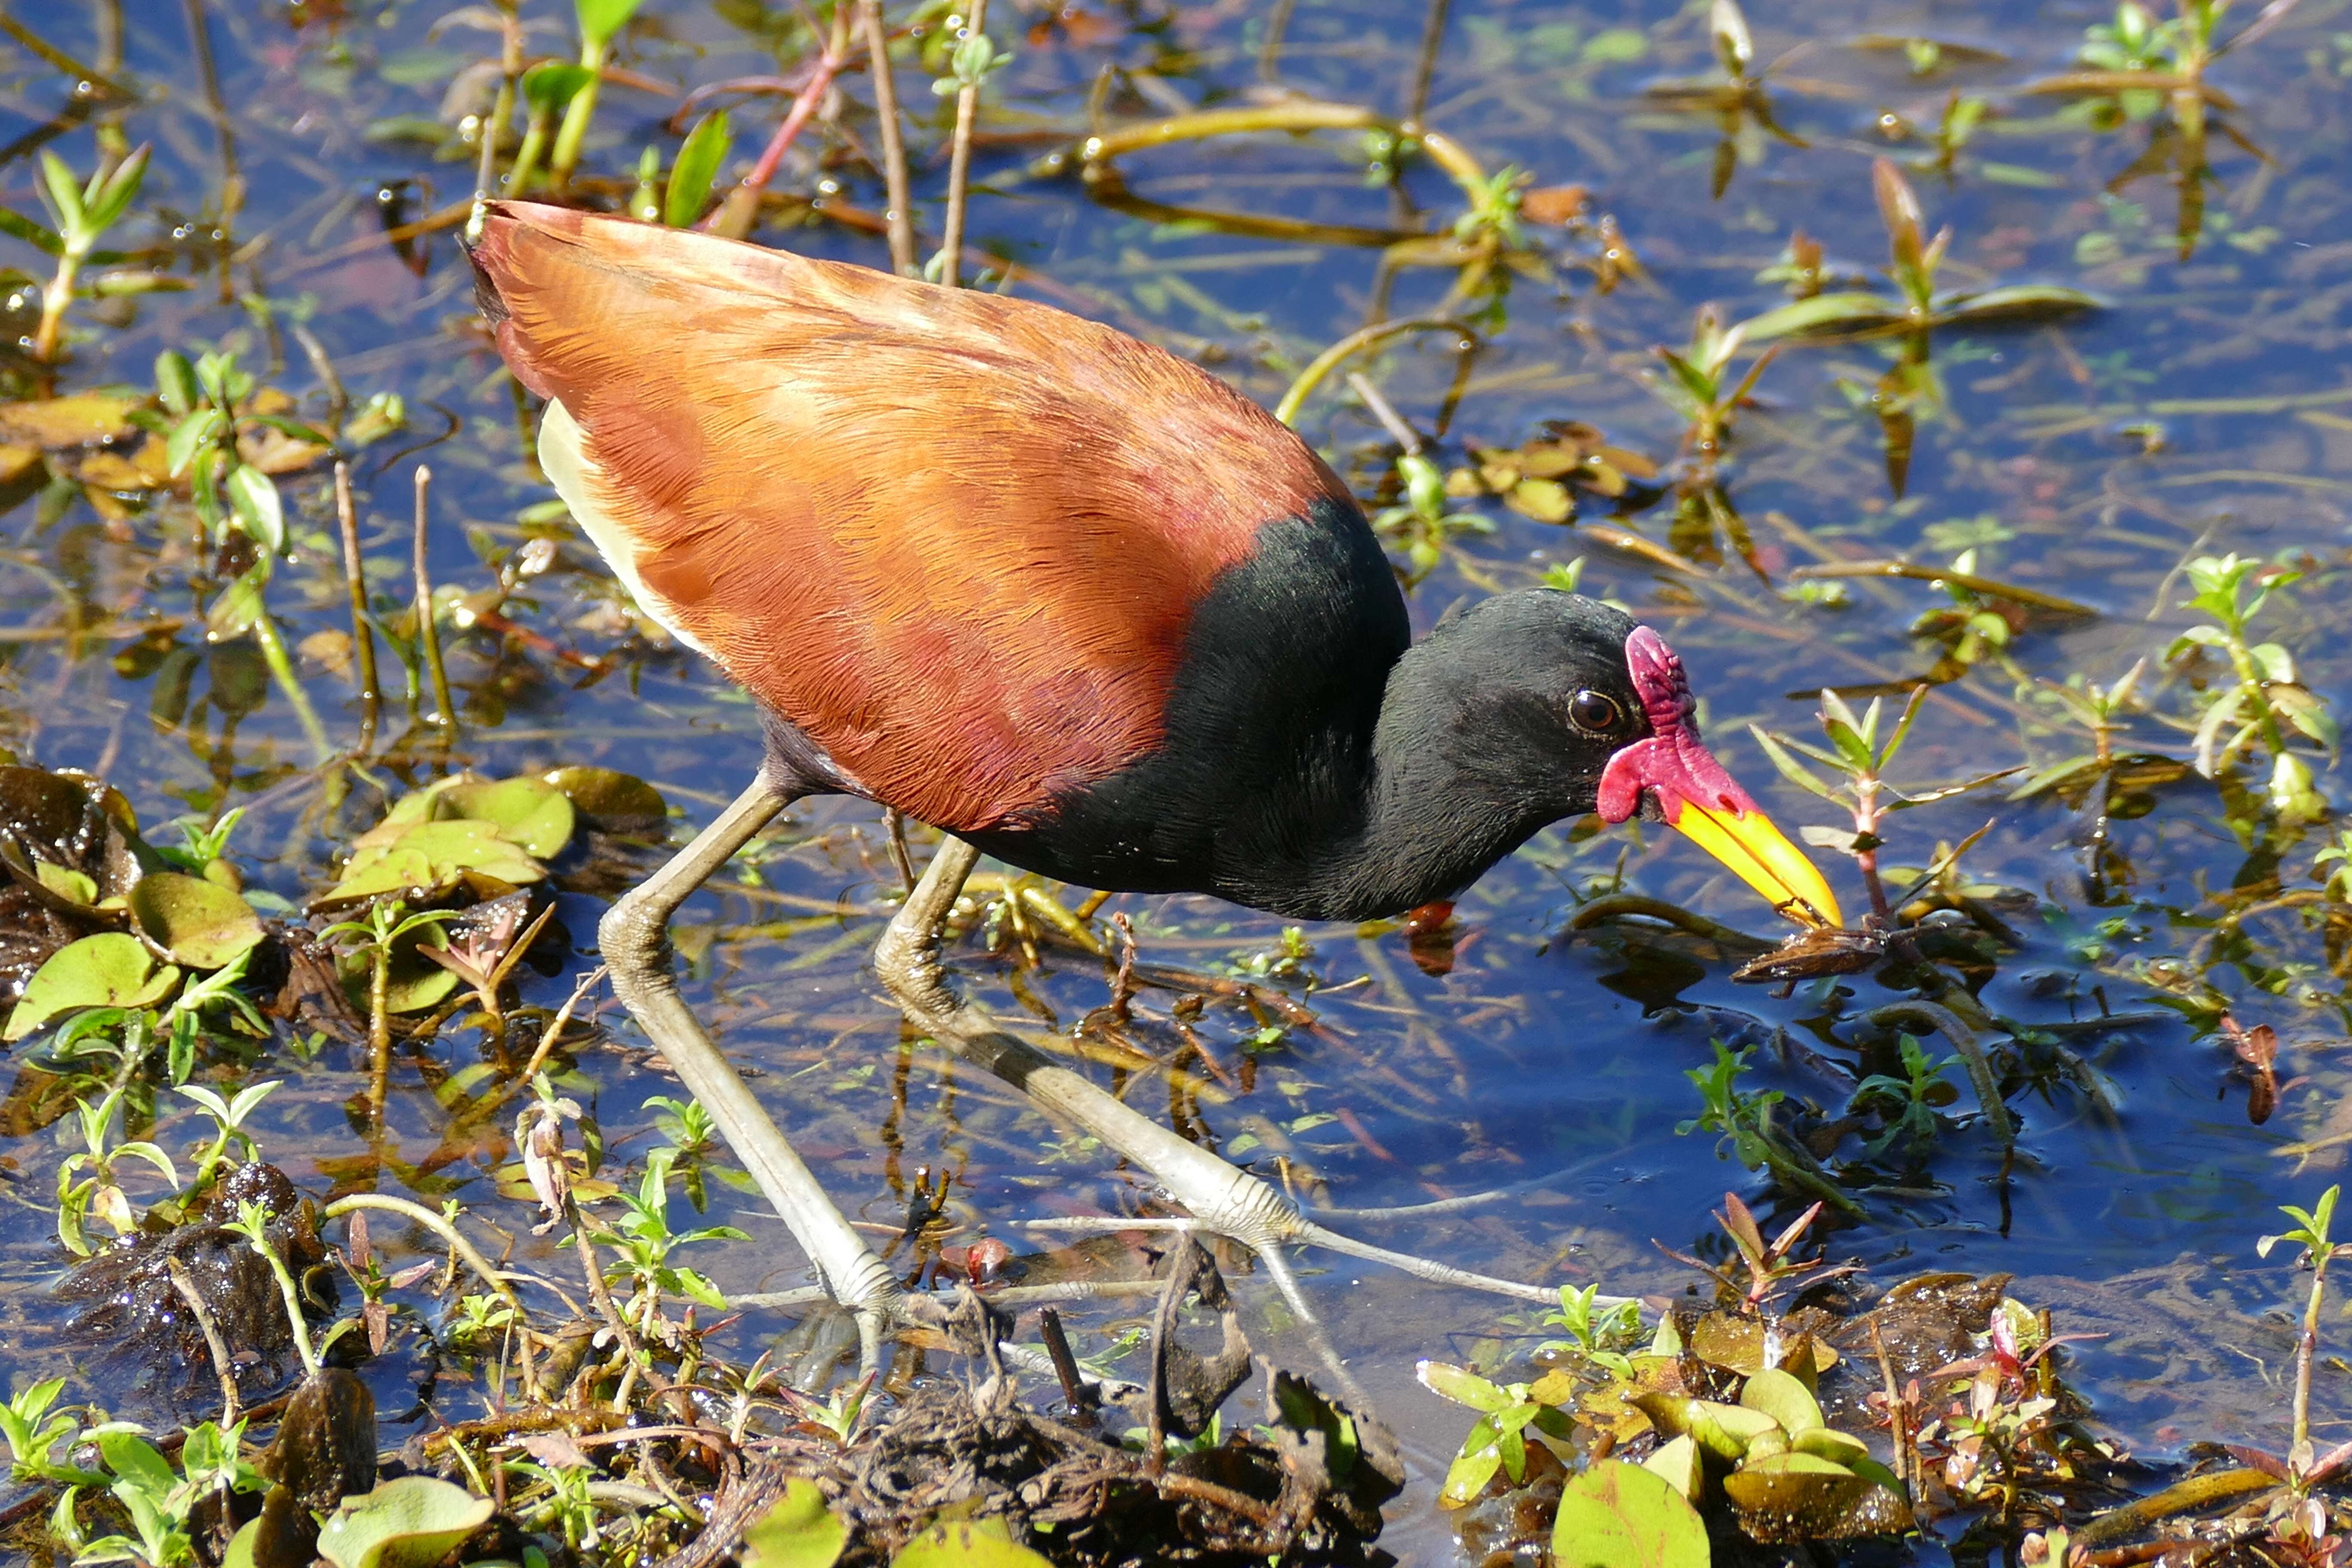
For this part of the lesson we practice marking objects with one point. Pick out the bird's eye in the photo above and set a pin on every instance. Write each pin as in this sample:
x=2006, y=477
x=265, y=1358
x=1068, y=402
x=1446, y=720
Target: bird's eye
x=1591, y=710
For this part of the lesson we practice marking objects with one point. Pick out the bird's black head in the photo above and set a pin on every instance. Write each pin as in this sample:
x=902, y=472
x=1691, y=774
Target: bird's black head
x=1534, y=705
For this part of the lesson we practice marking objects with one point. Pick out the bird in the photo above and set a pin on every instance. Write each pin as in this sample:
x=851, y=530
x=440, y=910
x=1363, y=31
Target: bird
x=1068, y=599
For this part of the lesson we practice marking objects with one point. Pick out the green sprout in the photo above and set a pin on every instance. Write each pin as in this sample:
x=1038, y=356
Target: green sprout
x=83, y=212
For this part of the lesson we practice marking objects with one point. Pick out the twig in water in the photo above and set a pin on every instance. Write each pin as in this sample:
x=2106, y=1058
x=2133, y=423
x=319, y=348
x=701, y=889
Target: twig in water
x=510, y=71
x=1407, y=438
x=1424, y=70
x=222, y=1367
x=736, y=215
x=960, y=162
x=1356, y=342
x=901, y=216
x=362, y=633
x=428, y=636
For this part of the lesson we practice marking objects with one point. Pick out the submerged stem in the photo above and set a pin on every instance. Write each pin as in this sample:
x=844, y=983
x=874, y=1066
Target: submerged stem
x=362, y=632
x=429, y=634
x=281, y=670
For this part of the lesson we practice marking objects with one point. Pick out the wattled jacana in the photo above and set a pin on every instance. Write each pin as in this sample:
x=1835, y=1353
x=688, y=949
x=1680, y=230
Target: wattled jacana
x=1071, y=600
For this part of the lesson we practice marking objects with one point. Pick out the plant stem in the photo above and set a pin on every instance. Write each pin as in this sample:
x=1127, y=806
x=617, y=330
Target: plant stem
x=2299, y=1453
x=1354, y=343
x=598, y=1292
x=503, y=109
x=362, y=633
x=960, y=164
x=281, y=669
x=379, y=1031
x=1972, y=1054
x=429, y=634
x=1300, y=114
x=56, y=297
x=293, y=1299
x=901, y=216
x=223, y=1368
x=525, y=173
x=576, y=116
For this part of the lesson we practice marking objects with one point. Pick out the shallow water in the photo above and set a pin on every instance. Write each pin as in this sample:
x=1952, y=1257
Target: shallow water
x=1545, y=1049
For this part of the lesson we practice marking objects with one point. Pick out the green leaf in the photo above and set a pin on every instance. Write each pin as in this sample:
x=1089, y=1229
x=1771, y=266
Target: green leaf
x=614, y=800
x=1461, y=1386
x=600, y=19
x=1824, y=313
x=1780, y=1394
x=240, y=606
x=112, y=969
x=201, y=924
x=1616, y=1515
x=962, y=1543
x=549, y=86
x=527, y=812
x=64, y=195
x=797, y=1532
x=2016, y=302
x=1797, y=1495
x=260, y=515
x=1695, y=381
x=189, y=436
x=1723, y=1430
x=38, y=236
x=1795, y=771
x=114, y=198
x=175, y=383
x=699, y=163
x=1677, y=1462
x=427, y=854
x=135, y=1460
x=409, y=1523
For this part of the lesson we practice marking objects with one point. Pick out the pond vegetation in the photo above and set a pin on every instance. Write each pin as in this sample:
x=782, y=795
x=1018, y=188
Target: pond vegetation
x=1964, y=396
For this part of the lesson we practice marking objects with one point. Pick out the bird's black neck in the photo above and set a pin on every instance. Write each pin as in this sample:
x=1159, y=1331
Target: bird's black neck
x=1456, y=772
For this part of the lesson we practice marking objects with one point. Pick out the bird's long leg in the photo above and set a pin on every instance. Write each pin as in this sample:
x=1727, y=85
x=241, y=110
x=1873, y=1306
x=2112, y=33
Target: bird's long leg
x=1221, y=1196
x=634, y=939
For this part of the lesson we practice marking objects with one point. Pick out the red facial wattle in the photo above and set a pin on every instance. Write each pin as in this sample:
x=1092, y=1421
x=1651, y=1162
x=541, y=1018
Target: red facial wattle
x=1697, y=796
x=1669, y=760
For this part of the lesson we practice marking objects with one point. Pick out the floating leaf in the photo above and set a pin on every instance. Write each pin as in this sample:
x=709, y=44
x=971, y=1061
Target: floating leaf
x=74, y=887
x=200, y=923
x=84, y=419
x=1616, y=1515
x=1824, y=313
x=797, y=1532
x=1678, y=1464
x=2016, y=302
x=1462, y=1387
x=1723, y=1430
x=1779, y=1394
x=530, y=813
x=428, y=854
x=1798, y=1497
x=412, y=1521
x=112, y=969
x=616, y=802
x=960, y=1543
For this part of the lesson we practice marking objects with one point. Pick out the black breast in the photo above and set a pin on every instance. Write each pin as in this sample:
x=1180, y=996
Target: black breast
x=1268, y=729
